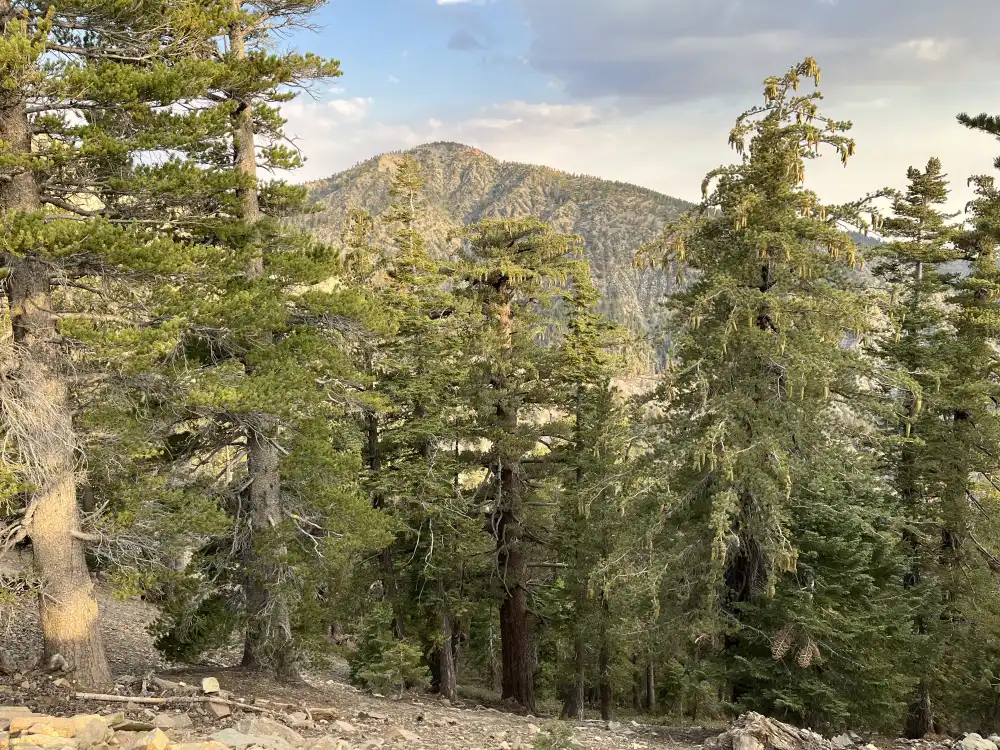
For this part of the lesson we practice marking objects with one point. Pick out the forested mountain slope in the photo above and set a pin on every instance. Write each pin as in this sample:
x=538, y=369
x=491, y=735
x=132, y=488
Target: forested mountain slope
x=463, y=185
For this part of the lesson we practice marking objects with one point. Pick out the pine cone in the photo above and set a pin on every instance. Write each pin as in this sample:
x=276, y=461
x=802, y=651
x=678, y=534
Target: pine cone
x=805, y=656
x=782, y=642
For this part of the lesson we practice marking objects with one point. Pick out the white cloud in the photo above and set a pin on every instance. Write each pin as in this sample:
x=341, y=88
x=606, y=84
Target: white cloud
x=351, y=109
x=393, y=79
x=929, y=49
x=672, y=147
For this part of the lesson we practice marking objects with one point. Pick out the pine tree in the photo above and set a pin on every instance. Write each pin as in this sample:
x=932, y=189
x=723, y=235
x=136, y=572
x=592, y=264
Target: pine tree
x=761, y=412
x=915, y=355
x=511, y=271
x=83, y=84
x=414, y=434
x=263, y=356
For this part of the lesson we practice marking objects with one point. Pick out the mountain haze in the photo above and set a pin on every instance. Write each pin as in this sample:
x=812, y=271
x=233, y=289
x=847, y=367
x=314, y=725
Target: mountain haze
x=463, y=185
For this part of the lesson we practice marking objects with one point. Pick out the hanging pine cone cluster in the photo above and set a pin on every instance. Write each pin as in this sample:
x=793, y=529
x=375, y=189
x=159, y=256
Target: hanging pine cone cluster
x=782, y=642
x=807, y=654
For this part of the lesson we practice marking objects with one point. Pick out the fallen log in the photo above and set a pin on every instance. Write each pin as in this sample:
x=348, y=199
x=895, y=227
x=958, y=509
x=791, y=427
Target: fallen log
x=319, y=712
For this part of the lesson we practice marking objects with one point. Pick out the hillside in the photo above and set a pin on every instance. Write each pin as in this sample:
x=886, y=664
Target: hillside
x=463, y=184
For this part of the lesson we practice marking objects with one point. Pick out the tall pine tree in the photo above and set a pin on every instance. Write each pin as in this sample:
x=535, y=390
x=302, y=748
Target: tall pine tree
x=761, y=410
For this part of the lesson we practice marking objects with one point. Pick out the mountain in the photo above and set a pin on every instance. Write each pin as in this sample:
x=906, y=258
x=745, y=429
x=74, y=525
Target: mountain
x=463, y=185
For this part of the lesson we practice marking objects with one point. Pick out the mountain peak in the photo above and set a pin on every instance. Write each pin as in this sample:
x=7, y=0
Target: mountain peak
x=463, y=184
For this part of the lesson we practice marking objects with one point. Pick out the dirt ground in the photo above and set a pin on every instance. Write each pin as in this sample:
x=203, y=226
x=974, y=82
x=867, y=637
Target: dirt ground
x=463, y=726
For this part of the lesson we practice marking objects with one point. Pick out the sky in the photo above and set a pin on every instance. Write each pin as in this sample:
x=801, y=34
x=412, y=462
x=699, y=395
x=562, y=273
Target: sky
x=645, y=91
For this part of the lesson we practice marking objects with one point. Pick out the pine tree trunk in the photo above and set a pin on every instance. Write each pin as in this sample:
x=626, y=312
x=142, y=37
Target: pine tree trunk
x=269, y=639
x=575, y=694
x=650, y=688
x=518, y=673
x=447, y=679
x=69, y=610
x=386, y=557
x=604, y=664
x=518, y=679
x=920, y=714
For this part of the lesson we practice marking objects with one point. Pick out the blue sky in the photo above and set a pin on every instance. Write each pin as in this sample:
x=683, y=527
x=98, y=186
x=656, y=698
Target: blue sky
x=645, y=90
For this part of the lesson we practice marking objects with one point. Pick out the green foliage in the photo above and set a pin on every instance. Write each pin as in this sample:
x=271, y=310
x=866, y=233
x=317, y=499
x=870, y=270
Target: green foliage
x=384, y=663
x=286, y=439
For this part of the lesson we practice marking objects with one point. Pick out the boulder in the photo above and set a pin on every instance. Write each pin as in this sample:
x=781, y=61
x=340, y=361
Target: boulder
x=45, y=741
x=237, y=740
x=93, y=732
x=210, y=685
x=330, y=743
x=262, y=726
x=973, y=741
x=842, y=742
x=751, y=731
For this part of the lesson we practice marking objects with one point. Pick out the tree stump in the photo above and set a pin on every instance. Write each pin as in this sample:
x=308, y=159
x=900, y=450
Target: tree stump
x=751, y=731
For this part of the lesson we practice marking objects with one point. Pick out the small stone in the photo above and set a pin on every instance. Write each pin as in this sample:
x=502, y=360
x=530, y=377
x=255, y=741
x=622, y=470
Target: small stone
x=173, y=721
x=298, y=716
x=209, y=745
x=842, y=742
x=132, y=706
x=152, y=740
x=219, y=710
x=614, y=726
x=395, y=734
x=210, y=685
x=373, y=715
x=344, y=727
x=62, y=682
x=330, y=743
x=534, y=728
x=134, y=726
x=236, y=739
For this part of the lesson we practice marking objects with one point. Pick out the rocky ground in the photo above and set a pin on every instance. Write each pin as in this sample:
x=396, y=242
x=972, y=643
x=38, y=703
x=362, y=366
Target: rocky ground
x=156, y=707
x=160, y=713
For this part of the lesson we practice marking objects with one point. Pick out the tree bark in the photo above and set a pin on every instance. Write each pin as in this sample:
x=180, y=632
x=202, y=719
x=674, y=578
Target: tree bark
x=604, y=665
x=517, y=673
x=269, y=631
x=650, y=688
x=386, y=556
x=518, y=678
x=447, y=678
x=269, y=637
x=69, y=610
x=574, y=704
